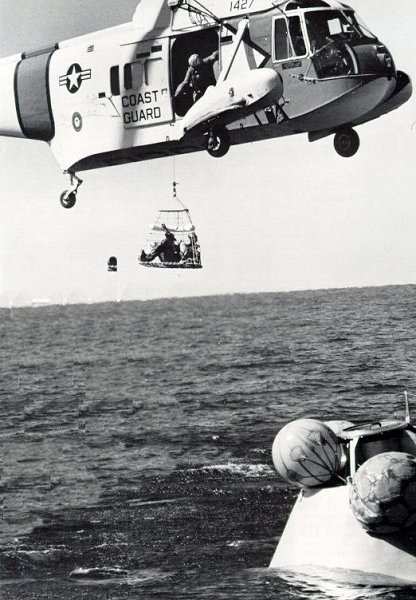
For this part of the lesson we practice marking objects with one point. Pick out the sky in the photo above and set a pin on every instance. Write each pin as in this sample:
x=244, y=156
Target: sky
x=277, y=215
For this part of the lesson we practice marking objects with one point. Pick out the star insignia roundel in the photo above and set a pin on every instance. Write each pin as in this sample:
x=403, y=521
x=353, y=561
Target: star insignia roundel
x=74, y=77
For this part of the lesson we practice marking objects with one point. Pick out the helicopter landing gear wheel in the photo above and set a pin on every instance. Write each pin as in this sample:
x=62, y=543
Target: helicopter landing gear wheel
x=346, y=142
x=68, y=199
x=218, y=142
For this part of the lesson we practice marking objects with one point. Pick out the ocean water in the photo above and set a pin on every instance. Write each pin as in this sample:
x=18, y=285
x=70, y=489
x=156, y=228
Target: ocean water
x=136, y=437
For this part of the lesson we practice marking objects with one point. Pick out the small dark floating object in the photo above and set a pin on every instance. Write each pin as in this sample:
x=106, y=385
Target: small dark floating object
x=112, y=264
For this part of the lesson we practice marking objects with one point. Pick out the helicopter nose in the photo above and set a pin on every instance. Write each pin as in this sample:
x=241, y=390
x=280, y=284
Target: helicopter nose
x=386, y=60
x=375, y=59
x=383, y=62
x=9, y=120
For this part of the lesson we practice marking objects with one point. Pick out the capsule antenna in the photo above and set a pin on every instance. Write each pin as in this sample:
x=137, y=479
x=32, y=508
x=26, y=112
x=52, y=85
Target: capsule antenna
x=407, y=408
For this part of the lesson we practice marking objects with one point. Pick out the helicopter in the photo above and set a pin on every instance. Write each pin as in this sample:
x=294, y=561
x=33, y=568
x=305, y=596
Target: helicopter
x=280, y=67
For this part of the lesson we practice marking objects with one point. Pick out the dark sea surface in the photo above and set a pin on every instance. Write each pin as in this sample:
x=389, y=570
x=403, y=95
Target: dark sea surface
x=136, y=437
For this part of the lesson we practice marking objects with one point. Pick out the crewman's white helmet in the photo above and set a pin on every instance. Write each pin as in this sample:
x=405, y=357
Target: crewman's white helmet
x=194, y=60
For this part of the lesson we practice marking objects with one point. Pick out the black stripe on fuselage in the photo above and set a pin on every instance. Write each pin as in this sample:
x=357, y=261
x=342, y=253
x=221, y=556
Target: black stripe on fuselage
x=48, y=92
x=16, y=101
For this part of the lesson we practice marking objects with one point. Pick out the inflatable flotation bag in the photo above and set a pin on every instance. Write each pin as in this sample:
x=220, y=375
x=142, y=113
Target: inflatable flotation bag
x=306, y=453
x=383, y=493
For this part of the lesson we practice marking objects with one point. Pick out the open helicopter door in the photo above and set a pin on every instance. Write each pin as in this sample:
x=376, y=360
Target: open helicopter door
x=203, y=42
x=244, y=85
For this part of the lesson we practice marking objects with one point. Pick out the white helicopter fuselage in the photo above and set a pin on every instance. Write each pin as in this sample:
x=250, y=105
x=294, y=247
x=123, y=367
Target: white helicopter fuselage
x=109, y=97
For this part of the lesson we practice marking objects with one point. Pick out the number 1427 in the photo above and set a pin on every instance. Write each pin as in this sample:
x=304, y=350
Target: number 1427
x=240, y=4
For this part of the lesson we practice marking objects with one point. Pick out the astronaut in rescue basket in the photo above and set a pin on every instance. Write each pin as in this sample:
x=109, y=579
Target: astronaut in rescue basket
x=167, y=250
x=199, y=75
x=190, y=250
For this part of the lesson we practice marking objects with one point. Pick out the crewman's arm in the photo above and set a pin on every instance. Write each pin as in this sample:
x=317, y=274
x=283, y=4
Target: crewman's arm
x=184, y=83
x=211, y=58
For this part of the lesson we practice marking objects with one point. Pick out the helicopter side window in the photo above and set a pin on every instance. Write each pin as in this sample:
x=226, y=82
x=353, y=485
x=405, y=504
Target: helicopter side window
x=296, y=35
x=137, y=74
x=288, y=38
x=115, y=81
x=134, y=75
x=128, y=77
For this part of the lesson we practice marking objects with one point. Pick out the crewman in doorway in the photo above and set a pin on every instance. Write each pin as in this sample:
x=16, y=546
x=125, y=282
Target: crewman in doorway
x=199, y=76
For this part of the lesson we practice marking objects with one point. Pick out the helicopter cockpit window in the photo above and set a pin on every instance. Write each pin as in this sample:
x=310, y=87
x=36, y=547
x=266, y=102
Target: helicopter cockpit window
x=288, y=38
x=359, y=25
x=337, y=25
x=329, y=33
x=325, y=26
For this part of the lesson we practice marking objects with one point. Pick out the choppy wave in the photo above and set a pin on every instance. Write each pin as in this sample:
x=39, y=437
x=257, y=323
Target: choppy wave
x=240, y=469
x=341, y=584
x=111, y=575
x=102, y=573
x=138, y=435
